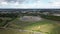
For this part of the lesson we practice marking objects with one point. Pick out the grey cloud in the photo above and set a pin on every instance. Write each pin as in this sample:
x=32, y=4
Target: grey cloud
x=10, y=0
x=19, y=1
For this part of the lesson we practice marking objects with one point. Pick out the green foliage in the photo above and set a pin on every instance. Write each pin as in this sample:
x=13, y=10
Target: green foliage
x=56, y=30
x=51, y=17
x=9, y=15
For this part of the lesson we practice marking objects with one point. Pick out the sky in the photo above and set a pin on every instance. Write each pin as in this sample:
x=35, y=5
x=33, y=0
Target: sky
x=26, y=4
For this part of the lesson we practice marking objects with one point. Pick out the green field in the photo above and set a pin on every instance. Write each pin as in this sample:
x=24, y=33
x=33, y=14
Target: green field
x=45, y=26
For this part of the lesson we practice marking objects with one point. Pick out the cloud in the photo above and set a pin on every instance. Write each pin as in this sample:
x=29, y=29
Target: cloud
x=13, y=1
x=56, y=4
x=4, y=3
x=10, y=0
x=30, y=4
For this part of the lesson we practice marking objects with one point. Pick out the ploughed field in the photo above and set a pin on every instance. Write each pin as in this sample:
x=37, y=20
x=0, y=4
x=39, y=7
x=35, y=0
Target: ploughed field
x=29, y=26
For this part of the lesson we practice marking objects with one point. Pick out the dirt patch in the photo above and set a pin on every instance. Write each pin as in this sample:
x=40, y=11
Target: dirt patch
x=30, y=18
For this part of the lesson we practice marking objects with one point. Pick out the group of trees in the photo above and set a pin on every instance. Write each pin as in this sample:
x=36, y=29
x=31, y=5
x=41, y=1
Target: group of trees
x=9, y=15
x=6, y=18
x=51, y=17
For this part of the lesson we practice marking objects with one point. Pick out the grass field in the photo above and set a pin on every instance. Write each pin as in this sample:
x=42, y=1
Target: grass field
x=45, y=26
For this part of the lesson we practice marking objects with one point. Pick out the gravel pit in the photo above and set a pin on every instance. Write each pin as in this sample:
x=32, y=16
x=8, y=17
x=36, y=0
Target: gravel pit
x=30, y=18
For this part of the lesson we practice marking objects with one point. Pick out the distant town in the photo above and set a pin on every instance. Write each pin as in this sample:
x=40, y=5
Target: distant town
x=55, y=12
